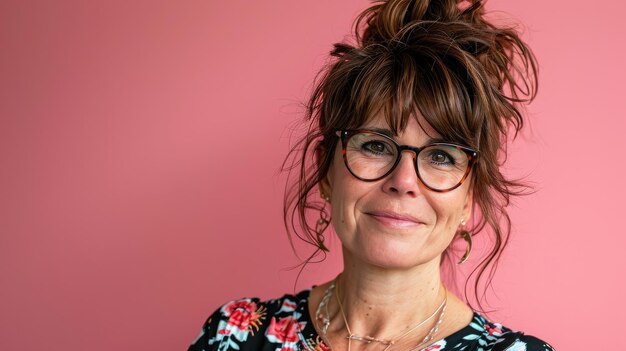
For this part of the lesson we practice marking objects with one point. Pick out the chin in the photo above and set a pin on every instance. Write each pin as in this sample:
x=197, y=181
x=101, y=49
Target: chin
x=396, y=259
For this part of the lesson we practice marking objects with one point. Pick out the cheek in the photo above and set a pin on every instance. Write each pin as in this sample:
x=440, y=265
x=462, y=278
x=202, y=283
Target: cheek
x=343, y=199
x=448, y=211
x=449, y=208
x=345, y=195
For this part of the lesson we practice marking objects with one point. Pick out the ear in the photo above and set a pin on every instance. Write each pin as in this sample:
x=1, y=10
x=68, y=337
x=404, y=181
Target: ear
x=325, y=187
x=325, y=184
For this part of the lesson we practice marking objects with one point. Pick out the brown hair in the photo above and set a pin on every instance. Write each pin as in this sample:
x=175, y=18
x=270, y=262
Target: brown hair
x=467, y=77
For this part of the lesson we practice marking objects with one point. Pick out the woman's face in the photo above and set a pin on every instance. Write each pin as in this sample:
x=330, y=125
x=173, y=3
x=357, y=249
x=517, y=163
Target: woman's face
x=395, y=222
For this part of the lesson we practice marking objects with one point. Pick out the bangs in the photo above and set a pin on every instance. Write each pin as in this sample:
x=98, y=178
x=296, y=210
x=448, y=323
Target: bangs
x=399, y=83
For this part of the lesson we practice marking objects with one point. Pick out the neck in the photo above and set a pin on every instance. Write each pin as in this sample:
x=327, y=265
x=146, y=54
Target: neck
x=383, y=303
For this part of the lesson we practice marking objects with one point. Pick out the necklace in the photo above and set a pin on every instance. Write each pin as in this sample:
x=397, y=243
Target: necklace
x=325, y=319
x=389, y=343
x=433, y=330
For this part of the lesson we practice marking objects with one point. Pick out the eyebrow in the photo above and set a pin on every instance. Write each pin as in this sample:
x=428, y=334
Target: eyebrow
x=383, y=131
x=392, y=135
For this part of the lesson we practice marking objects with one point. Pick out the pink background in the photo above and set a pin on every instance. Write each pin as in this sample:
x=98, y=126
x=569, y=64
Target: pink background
x=140, y=143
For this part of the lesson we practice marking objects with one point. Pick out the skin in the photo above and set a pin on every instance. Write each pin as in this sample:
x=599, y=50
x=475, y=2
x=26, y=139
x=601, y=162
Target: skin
x=391, y=277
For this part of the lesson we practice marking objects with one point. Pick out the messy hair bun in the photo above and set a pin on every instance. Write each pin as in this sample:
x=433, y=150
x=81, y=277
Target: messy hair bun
x=467, y=77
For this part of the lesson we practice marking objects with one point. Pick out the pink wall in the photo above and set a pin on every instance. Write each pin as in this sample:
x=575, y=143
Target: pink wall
x=140, y=143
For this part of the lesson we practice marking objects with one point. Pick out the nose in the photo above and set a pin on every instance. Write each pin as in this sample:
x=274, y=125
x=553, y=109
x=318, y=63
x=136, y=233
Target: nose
x=403, y=180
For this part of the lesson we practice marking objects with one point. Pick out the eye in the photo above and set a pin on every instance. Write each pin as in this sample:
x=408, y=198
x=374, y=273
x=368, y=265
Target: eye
x=375, y=147
x=440, y=157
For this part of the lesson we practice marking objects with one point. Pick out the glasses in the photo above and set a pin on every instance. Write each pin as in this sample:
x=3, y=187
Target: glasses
x=371, y=156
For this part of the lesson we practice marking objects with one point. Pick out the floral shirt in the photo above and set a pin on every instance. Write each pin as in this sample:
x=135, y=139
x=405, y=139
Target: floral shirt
x=284, y=324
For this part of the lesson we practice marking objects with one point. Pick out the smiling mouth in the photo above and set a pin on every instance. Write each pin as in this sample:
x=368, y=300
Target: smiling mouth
x=392, y=219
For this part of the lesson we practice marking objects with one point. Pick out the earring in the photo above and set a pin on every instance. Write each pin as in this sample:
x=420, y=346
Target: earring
x=465, y=234
x=322, y=224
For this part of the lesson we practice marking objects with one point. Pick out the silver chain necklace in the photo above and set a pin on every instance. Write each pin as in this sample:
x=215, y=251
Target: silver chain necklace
x=323, y=316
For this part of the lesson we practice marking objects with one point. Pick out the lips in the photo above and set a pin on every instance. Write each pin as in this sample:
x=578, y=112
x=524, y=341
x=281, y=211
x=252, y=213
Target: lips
x=394, y=219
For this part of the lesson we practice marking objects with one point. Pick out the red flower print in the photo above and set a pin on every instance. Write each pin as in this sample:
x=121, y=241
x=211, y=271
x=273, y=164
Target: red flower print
x=240, y=319
x=244, y=315
x=245, y=305
x=284, y=330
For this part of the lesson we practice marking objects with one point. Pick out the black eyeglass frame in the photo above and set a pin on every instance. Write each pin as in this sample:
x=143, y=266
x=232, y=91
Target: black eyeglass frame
x=346, y=134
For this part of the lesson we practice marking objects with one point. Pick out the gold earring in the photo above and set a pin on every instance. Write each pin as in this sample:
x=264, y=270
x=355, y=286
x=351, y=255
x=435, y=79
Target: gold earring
x=467, y=236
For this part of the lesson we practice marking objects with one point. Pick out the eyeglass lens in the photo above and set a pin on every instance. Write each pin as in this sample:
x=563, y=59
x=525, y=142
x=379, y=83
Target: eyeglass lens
x=371, y=156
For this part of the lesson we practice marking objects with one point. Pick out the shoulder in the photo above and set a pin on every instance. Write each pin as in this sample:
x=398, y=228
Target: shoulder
x=484, y=335
x=251, y=323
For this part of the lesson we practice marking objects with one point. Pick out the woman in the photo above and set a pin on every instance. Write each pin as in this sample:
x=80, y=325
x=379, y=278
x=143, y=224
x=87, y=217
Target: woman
x=408, y=128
